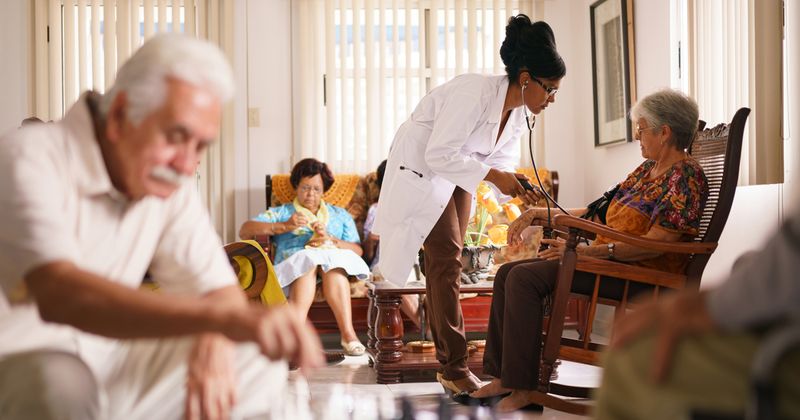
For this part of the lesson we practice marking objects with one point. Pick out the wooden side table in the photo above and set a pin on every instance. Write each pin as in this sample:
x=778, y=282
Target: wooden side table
x=385, y=331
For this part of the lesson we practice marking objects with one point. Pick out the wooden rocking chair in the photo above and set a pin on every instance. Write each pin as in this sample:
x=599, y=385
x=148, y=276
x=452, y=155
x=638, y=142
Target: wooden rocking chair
x=718, y=151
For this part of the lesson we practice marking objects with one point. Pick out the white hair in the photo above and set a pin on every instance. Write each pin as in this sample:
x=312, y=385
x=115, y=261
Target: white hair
x=671, y=108
x=144, y=76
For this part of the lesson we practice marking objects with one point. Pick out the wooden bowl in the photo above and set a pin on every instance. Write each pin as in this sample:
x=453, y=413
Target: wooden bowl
x=421, y=346
x=480, y=344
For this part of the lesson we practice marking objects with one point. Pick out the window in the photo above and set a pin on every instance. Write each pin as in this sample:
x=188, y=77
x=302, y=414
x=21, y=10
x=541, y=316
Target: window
x=716, y=62
x=358, y=79
x=80, y=44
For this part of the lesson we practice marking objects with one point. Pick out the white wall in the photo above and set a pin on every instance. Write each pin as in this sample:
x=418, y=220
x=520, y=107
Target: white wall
x=266, y=148
x=14, y=72
x=589, y=171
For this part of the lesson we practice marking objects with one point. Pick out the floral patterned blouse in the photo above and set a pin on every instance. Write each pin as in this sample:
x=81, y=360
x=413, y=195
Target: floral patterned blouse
x=340, y=225
x=674, y=201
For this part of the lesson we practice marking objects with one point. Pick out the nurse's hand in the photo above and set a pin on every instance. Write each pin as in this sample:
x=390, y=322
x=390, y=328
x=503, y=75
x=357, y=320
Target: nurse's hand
x=529, y=197
x=508, y=183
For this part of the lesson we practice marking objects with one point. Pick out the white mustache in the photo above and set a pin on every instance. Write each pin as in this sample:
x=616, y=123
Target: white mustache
x=167, y=174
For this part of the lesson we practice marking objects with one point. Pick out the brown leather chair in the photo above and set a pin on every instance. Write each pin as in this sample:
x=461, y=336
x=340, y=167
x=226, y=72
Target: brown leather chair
x=718, y=150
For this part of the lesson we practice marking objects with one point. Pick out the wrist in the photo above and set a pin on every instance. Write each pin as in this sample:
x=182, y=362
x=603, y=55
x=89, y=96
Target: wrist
x=491, y=176
x=611, y=248
x=278, y=228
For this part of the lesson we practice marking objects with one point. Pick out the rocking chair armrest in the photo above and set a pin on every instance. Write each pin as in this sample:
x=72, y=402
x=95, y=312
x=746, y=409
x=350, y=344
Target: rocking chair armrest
x=559, y=231
x=571, y=222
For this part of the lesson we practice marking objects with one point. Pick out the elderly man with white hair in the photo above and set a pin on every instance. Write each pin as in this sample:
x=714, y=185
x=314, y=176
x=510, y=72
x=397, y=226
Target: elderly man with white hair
x=92, y=202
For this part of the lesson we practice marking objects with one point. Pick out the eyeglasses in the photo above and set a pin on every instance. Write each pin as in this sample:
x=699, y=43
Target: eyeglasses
x=638, y=130
x=551, y=90
x=308, y=188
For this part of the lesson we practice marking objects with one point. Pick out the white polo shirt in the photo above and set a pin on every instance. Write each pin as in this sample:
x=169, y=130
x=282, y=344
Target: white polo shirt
x=57, y=203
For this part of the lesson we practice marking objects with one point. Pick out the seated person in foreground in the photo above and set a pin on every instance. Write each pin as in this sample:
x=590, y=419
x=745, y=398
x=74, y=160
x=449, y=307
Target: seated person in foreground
x=662, y=199
x=90, y=204
x=693, y=352
x=314, y=239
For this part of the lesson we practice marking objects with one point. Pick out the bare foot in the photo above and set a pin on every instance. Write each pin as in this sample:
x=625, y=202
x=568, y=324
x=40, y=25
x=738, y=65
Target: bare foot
x=519, y=398
x=492, y=389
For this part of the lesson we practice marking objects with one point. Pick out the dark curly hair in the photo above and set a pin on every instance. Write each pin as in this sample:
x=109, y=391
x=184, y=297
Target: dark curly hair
x=380, y=172
x=309, y=167
x=532, y=47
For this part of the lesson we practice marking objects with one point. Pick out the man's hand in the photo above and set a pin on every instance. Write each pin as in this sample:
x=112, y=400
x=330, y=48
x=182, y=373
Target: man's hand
x=297, y=220
x=281, y=333
x=672, y=317
x=211, y=378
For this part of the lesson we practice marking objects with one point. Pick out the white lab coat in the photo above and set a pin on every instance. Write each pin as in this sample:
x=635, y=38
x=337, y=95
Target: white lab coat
x=448, y=141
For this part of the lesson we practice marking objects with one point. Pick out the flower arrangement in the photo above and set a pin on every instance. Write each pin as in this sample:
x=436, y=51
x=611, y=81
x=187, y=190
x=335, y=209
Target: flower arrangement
x=487, y=205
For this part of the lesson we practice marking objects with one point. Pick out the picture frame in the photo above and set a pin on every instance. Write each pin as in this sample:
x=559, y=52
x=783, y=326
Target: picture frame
x=613, y=71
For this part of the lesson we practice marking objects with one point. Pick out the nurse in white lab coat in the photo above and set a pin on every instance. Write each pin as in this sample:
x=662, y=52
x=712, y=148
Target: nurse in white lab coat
x=461, y=133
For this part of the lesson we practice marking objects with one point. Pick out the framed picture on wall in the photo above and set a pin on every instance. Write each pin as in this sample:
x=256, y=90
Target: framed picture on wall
x=612, y=70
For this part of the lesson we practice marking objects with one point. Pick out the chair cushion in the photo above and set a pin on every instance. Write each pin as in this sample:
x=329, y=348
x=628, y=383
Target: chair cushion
x=340, y=193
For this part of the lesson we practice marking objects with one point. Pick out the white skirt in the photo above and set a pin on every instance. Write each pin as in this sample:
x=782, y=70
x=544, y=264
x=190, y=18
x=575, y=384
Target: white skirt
x=301, y=262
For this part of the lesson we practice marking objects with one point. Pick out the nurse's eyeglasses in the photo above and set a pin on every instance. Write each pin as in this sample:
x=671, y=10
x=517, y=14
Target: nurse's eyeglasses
x=550, y=90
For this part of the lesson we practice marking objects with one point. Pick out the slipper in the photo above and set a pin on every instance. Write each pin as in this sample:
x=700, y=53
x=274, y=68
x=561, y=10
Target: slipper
x=353, y=348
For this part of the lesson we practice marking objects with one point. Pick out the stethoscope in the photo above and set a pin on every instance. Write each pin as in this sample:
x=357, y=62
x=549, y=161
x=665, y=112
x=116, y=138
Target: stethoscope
x=530, y=122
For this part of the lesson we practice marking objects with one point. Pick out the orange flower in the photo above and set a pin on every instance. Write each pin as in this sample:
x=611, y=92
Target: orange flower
x=498, y=234
x=512, y=211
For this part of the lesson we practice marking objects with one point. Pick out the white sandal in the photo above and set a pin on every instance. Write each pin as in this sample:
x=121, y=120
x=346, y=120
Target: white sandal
x=353, y=348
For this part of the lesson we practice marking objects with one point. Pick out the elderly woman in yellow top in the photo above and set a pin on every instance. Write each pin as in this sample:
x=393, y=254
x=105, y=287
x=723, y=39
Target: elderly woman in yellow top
x=314, y=239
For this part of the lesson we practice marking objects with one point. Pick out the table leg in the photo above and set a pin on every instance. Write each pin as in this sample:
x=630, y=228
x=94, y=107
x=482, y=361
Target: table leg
x=389, y=337
x=372, y=316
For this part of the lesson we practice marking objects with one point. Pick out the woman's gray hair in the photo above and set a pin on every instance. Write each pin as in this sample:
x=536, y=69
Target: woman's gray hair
x=671, y=108
x=144, y=76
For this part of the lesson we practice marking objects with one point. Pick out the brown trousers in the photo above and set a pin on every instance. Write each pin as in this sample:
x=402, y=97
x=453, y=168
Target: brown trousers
x=514, y=340
x=443, y=282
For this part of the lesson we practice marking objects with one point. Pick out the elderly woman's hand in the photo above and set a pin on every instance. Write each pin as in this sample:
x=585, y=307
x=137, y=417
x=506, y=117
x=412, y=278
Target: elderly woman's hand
x=555, y=249
x=297, y=220
x=514, y=234
x=319, y=229
x=321, y=236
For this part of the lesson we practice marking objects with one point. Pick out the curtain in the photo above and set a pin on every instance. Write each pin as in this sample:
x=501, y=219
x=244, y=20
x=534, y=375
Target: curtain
x=728, y=72
x=361, y=66
x=80, y=44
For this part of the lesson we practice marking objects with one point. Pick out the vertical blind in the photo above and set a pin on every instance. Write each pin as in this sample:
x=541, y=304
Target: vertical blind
x=361, y=76
x=80, y=44
x=727, y=73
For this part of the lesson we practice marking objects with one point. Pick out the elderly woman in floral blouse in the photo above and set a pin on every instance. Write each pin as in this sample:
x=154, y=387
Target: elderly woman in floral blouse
x=314, y=239
x=662, y=199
